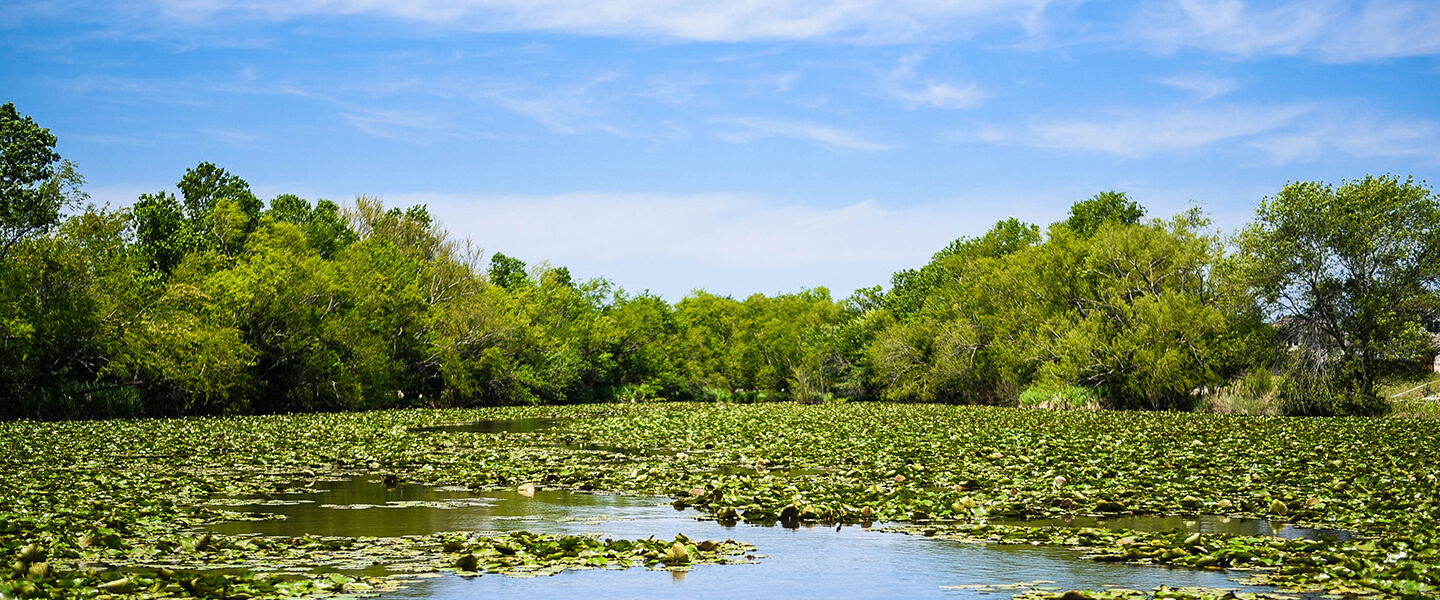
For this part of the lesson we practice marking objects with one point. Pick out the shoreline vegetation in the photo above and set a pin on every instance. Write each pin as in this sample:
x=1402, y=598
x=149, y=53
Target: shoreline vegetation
x=216, y=302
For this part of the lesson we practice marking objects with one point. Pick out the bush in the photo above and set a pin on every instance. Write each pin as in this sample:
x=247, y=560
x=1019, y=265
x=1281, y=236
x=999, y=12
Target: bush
x=1059, y=397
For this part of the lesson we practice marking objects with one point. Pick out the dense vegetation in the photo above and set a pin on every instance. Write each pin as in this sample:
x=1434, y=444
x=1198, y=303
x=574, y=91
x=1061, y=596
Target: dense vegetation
x=126, y=493
x=214, y=301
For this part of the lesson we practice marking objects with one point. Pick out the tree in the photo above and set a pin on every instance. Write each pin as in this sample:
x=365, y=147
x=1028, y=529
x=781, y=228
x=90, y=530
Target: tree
x=1350, y=272
x=910, y=288
x=508, y=272
x=1087, y=216
x=1143, y=321
x=162, y=233
x=32, y=188
x=325, y=229
x=207, y=184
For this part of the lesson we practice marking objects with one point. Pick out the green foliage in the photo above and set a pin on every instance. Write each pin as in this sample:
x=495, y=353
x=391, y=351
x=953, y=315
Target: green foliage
x=1088, y=216
x=1258, y=383
x=1349, y=274
x=34, y=183
x=205, y=303
x=162, y=233
x=206, y=185
x=324, y=225
x=508, y=272
x=1063, y=396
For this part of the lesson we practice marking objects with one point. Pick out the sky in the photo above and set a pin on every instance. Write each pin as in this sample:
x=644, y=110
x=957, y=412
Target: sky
x=735, y=146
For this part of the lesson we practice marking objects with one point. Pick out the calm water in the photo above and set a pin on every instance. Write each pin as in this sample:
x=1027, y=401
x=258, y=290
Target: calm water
x=809, y=562
x=818, y=562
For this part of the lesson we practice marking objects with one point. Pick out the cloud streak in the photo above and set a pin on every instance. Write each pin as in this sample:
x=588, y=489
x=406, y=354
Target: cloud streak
x=1143, y=133
x=930, y=93
x=1204, y=87
x=743, y=130
x=1286, y=133
x=1331, y=30
x=705, y=20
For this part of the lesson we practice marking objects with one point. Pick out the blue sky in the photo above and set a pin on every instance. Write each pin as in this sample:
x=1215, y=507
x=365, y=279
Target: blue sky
x=739, y=146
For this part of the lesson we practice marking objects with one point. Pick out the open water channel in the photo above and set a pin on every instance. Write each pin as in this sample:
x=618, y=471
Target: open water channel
x=807, y=562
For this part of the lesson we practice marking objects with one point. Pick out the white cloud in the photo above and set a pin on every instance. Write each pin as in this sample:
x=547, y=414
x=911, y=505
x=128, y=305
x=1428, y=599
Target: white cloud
x=713, y=20
x=1143, y=133
x=943, y=95
x=904, y=84
x=726, y=243
x=1332, y=30
x=1286, y=133
x=1362, y=136
x=400, y=125
x=1205, y=87
x=753, y=128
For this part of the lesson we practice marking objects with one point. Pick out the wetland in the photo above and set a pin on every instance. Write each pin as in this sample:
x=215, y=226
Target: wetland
x=684, y=500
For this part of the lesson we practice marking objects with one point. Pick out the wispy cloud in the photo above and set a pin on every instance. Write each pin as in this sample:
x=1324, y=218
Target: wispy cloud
x=234, y=138
x=1359, y=136
x=567, y=108
x=710, y=20
x=1332, y=30
x=398, y=124
x=748, y=129
x=1204, y=87
x=1143, y=133
x=913, y=90
x=1284, y=133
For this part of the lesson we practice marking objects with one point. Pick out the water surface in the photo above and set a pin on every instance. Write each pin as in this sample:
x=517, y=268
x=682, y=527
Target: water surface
x=817, y=562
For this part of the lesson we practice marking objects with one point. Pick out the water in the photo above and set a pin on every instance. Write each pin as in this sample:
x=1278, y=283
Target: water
x=1192, y=523
x=808, y=562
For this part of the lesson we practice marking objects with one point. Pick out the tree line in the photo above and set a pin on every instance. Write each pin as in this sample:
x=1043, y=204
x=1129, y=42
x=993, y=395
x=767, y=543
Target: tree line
x=216, y=301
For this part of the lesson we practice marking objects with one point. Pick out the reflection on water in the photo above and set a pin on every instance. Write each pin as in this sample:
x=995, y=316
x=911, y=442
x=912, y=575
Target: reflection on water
x=808, y=562
x=366, y=507
x=527, y=425
x=1192, y=523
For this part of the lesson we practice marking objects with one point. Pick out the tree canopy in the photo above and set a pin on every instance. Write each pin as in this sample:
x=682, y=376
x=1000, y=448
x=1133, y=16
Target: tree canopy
x=1351, y=273
x=215, y=301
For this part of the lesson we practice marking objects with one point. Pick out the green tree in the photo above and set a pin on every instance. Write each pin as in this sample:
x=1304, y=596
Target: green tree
x=206, y=184
x=1136, y=313
x=1087, y=216
x=221, y=208
x=324, y=227
x=910, y=288
x=508, y=272
x=162, y=232
x=34, y=183
x=1349, y=273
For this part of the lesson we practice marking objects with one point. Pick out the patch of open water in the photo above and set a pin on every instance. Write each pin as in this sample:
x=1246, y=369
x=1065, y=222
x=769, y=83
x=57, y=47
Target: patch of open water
x=808, y=562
